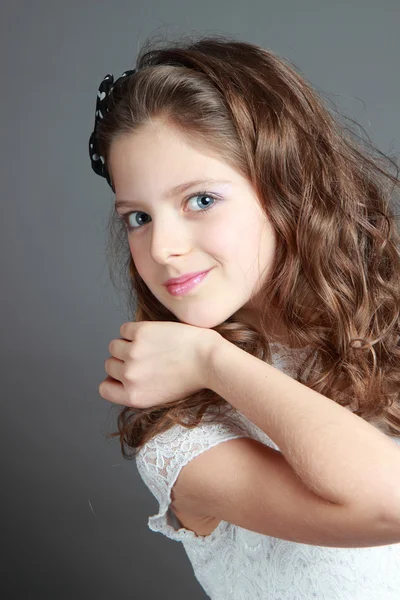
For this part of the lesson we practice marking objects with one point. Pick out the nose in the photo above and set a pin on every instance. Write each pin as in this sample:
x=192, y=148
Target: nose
x=168, y=237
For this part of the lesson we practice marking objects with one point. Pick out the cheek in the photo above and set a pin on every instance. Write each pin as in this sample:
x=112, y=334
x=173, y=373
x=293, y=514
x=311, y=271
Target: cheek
x=225, y=233
x=254, y=250
x=220, y=240
x=244, y=236
x=266, y=248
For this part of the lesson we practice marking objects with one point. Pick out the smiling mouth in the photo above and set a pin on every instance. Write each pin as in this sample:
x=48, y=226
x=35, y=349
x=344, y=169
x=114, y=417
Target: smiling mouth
x=179, y=289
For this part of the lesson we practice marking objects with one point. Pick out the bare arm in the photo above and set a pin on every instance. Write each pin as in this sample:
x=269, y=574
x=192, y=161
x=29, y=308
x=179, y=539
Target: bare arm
x=338, y=455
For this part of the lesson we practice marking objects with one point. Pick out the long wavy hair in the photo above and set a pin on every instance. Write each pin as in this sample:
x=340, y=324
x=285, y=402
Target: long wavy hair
x=327, y=192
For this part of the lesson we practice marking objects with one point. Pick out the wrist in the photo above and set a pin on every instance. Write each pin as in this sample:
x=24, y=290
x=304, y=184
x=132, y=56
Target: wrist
x=211, y=349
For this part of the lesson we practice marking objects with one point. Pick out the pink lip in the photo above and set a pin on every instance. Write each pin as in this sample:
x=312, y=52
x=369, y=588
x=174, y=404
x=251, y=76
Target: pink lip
x=183, y=278
x=179, y=289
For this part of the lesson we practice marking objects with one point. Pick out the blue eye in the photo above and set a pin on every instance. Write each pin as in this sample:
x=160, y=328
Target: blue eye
x=125, y=216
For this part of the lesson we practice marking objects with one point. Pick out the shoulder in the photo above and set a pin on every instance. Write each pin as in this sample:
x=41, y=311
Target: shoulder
x=161, y=460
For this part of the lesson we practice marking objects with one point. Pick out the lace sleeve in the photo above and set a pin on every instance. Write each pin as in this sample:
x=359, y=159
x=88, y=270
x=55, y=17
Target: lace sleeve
x=160, y=460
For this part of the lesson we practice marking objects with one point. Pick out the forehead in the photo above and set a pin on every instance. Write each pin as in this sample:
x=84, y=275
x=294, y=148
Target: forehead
x=156, y=159
x=158, y=140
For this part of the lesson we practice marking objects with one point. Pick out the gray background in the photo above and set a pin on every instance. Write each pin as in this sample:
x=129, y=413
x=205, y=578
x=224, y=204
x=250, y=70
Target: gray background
x=75, y=512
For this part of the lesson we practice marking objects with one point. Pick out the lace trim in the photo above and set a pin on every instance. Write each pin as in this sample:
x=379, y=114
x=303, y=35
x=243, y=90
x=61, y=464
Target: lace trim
x=160, y=461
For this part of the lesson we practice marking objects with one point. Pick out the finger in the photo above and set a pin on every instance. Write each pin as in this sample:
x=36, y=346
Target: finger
x=127, y=330
x=119, y=348
x=114, y=367
x=113, y=391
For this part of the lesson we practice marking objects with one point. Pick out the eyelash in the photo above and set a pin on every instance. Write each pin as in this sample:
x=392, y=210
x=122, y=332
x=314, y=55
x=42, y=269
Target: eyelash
x=124, y=216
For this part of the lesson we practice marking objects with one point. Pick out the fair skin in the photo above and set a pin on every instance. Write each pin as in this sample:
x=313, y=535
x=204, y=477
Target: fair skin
x=170, y=237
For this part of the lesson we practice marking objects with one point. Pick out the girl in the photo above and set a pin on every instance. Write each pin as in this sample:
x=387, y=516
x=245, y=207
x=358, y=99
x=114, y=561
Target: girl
x=281, y=337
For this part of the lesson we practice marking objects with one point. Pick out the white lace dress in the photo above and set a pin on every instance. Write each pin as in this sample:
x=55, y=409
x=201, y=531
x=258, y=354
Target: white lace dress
x=233, y=563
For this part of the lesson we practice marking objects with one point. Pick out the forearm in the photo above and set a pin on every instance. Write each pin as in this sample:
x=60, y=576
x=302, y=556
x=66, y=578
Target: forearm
x=337, y=454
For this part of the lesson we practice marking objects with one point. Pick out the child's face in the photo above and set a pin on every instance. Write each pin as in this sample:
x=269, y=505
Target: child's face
x=172, y=237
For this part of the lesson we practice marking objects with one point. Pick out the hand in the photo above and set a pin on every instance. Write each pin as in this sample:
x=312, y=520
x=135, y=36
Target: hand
x=156, y=362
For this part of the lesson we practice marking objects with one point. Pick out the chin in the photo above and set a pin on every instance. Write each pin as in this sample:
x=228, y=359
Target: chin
x=201, y=318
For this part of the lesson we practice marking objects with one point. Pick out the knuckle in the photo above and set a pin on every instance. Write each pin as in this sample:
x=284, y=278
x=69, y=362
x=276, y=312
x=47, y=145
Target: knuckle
x=141, y=327
x=127, y=374
x=132, y=353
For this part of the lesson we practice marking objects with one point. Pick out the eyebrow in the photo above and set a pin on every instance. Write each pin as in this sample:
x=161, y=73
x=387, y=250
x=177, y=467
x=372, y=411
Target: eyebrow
x=178, y=189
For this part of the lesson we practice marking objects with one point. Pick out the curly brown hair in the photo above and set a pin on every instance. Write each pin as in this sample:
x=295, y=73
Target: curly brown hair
x=327, y=192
